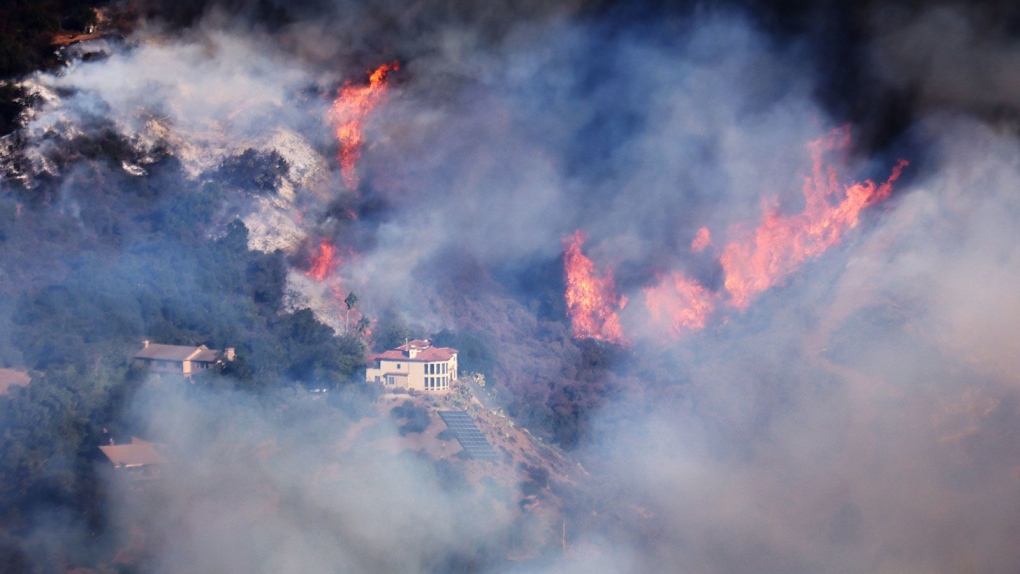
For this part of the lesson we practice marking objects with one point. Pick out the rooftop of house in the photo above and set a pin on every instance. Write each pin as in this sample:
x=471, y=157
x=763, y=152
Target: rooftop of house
x=136, y=453
x=415, y=344
x=178, y=353
x=417, y=351
x=11, y=377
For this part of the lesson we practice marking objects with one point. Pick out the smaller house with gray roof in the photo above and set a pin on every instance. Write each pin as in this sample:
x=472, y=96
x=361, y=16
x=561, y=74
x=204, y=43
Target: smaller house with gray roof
x=141, y=459
x=181, y=359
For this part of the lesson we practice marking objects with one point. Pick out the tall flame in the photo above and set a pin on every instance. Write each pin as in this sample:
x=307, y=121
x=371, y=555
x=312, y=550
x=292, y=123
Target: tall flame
x=324, y=262
x=350, y=108
x=781, y=243
x=751, y=263
x=592, y=303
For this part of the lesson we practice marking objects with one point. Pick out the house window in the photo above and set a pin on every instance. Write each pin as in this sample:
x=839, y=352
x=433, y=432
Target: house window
x=390, y=381
x=398, y=366
x=377, y=378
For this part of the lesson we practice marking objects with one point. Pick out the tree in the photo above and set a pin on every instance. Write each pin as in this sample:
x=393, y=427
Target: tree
x=350, y=301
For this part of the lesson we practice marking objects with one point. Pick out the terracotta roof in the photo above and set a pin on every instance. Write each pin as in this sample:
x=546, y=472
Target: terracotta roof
x=177, y=353
x=415, y=344
x=138, y=453
x=10, y=377
x=429, y=355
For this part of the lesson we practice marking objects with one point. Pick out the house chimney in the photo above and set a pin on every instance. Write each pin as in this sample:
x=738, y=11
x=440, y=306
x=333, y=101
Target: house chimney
x=228, y=353
x=145, y=344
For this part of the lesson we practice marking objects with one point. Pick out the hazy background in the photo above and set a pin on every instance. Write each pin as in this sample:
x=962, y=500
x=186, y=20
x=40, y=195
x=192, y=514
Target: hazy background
x=859, y=417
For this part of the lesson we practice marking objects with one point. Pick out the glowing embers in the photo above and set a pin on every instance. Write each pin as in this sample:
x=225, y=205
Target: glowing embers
x=592, y=303
x=781, y=243
x=350, y=108
x=324, y=262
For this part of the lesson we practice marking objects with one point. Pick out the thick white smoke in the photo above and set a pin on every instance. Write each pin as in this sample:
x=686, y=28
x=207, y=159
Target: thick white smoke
x=860, y=417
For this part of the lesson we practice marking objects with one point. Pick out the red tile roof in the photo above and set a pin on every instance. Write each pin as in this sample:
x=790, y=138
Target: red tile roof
x=426, y=353
x=415, y=344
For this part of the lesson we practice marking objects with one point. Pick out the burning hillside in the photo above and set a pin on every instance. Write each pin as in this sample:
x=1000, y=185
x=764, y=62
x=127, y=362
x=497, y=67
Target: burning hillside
x=752, y=263
x=349, y=112
x=755, y=281
x=592, y=302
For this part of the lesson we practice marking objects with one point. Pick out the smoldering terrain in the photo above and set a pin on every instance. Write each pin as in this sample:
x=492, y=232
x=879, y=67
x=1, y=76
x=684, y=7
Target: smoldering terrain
x=858, y=415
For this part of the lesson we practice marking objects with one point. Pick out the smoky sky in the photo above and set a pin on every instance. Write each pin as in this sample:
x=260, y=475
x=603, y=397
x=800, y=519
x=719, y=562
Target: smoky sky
x=859, y=416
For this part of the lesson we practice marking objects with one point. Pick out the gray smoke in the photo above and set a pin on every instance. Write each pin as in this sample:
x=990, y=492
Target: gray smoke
x=858, y=417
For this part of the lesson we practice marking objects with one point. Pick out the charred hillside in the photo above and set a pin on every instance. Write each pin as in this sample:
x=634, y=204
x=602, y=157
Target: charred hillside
x=738, y=279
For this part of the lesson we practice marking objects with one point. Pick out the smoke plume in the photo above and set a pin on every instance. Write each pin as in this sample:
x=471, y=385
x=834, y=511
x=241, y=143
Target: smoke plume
x=857, y=414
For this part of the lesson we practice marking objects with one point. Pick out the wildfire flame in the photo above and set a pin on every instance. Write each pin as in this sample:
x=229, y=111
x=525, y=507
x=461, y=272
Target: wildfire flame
x=752, y=263
x=350, y=108
x=592, y=303
x=324, y=262
x=702, y=240
x=781, y=243
x=680, y=303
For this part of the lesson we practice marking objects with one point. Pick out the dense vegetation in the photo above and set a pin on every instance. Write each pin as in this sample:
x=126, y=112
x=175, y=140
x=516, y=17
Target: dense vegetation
x=100, y=260
x=27, y=28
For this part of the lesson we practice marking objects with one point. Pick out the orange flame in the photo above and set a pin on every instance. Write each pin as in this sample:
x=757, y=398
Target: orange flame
x=350, y=108
x=325, y=262
x=702, y=240
x=679, y=303
x=592, y=303
x=781, y=243
x=751, y=264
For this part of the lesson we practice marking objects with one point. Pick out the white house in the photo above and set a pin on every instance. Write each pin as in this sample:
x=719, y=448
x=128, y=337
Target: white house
x=416, y=365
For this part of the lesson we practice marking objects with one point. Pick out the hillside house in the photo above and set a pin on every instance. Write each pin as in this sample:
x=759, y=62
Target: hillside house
x=139, y=458
x=416, y=365
x=181, y=359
